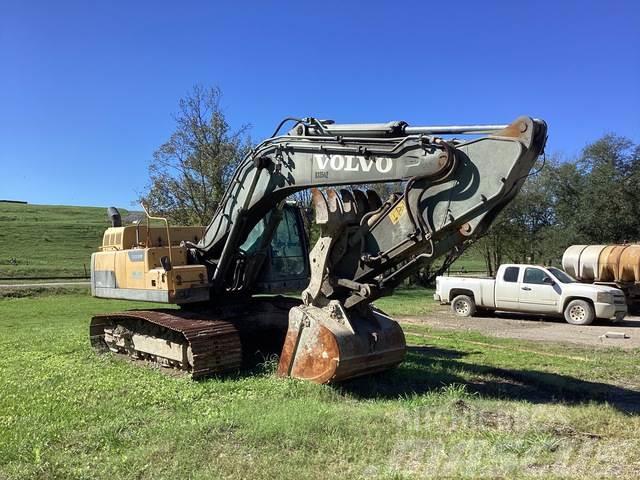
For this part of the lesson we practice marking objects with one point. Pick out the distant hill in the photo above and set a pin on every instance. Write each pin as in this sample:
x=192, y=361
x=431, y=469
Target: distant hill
x=48, y=240
x=53, y=240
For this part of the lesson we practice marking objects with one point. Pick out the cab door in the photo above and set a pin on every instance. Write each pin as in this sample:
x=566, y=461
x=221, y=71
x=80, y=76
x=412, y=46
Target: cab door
x=286, y=267
x=538, y=292
x=507, y=289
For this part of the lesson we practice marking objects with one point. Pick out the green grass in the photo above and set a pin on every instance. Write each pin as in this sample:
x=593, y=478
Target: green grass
x=461, y=405
x=47, y=240
x=408, y=301
x=470, y=261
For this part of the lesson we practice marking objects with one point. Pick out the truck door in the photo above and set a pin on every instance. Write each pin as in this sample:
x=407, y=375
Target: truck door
x=507, y=289
x=537, y=292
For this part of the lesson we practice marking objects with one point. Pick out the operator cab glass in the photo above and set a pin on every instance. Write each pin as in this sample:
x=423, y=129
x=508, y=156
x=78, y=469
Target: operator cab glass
x=252, y=243
x=287, y=251
x=286, y=266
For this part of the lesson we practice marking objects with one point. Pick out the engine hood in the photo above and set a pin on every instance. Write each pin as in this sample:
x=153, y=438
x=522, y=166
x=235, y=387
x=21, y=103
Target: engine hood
x=587, y=289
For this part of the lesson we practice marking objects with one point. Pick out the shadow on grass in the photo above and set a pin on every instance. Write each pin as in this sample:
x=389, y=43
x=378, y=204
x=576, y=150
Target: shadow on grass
x=431, y=368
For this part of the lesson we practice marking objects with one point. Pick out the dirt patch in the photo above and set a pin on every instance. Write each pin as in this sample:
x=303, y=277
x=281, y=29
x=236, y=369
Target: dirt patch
x=537, y=328
x=10, y=291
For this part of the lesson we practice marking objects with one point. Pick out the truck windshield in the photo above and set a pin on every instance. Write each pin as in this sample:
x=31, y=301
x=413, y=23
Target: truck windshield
x=561, y=276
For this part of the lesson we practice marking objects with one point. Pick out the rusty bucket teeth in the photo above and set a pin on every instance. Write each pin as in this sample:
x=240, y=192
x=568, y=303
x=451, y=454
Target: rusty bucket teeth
x=361, y=202
x=348, y=206
x=320, y=206
x=323, y=345
x=375, y=202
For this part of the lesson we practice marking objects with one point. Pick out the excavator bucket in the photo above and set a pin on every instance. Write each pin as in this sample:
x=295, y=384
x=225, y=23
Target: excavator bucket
x=326, y=345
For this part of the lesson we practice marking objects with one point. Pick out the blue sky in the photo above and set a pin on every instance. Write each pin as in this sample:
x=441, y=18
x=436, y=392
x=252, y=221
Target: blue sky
x=87, y=89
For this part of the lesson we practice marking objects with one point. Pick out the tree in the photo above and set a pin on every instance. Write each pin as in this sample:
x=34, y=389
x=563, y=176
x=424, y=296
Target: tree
x=594, y=199
x=609, y=200
x=190, y=171
x=524, y=231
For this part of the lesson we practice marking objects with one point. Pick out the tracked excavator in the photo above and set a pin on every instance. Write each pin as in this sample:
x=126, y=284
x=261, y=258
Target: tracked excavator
x=452, y=182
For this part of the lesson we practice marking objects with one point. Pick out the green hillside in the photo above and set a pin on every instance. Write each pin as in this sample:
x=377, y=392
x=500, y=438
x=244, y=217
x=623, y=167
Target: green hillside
x=48, y=240
x=56, y=240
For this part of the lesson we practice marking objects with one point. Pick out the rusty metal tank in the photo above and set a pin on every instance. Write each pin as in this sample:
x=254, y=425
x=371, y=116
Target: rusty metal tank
x=629, y=268
x=589, y=263
x=603, y=263
x=571, y=260
x=609, y=263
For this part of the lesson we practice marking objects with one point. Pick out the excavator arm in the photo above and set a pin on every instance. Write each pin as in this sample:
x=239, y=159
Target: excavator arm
x=452, y=191
x=311, y=156
x=434, y=216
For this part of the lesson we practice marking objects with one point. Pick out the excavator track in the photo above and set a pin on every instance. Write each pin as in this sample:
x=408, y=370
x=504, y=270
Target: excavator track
x=177, y=339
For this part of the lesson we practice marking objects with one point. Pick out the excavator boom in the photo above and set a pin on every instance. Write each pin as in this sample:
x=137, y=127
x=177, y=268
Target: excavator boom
x=451, y=189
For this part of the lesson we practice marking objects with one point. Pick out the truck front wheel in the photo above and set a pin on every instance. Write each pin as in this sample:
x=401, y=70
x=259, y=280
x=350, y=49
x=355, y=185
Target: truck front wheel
x=463, y=306
x=579, y=312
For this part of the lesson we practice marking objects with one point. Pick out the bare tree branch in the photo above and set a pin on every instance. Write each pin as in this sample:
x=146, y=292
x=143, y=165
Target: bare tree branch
x=189, y=171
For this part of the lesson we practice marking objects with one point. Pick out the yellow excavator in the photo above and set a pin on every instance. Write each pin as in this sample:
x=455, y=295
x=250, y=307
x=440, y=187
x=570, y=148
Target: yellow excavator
x=452, y=181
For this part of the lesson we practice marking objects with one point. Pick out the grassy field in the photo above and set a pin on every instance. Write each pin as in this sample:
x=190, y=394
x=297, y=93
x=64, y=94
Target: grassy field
x=49, y=240
x=461, y=405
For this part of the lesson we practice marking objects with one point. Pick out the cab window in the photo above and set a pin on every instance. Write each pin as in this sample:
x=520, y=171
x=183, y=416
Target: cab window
x=535, y=276
x=252, y=243
x=287, y=254
x=511, y=274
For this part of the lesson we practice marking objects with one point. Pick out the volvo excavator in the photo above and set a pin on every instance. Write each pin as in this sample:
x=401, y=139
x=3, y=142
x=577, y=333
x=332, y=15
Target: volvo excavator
x=224, y=279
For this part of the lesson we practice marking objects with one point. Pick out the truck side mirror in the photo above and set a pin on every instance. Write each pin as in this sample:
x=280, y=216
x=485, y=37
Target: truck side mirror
x=548, y=281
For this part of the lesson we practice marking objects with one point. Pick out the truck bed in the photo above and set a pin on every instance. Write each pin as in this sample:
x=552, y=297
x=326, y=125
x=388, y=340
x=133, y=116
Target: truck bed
x=481, y=288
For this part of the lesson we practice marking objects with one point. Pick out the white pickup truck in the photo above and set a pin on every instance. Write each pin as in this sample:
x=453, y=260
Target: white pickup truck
x=533, y=289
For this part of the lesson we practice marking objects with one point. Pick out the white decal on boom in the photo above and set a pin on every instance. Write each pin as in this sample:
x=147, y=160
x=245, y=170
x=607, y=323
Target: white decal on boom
x=352, y=163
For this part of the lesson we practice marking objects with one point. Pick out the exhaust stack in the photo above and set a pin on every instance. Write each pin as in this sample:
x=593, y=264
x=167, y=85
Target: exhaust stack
x=114, y=215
